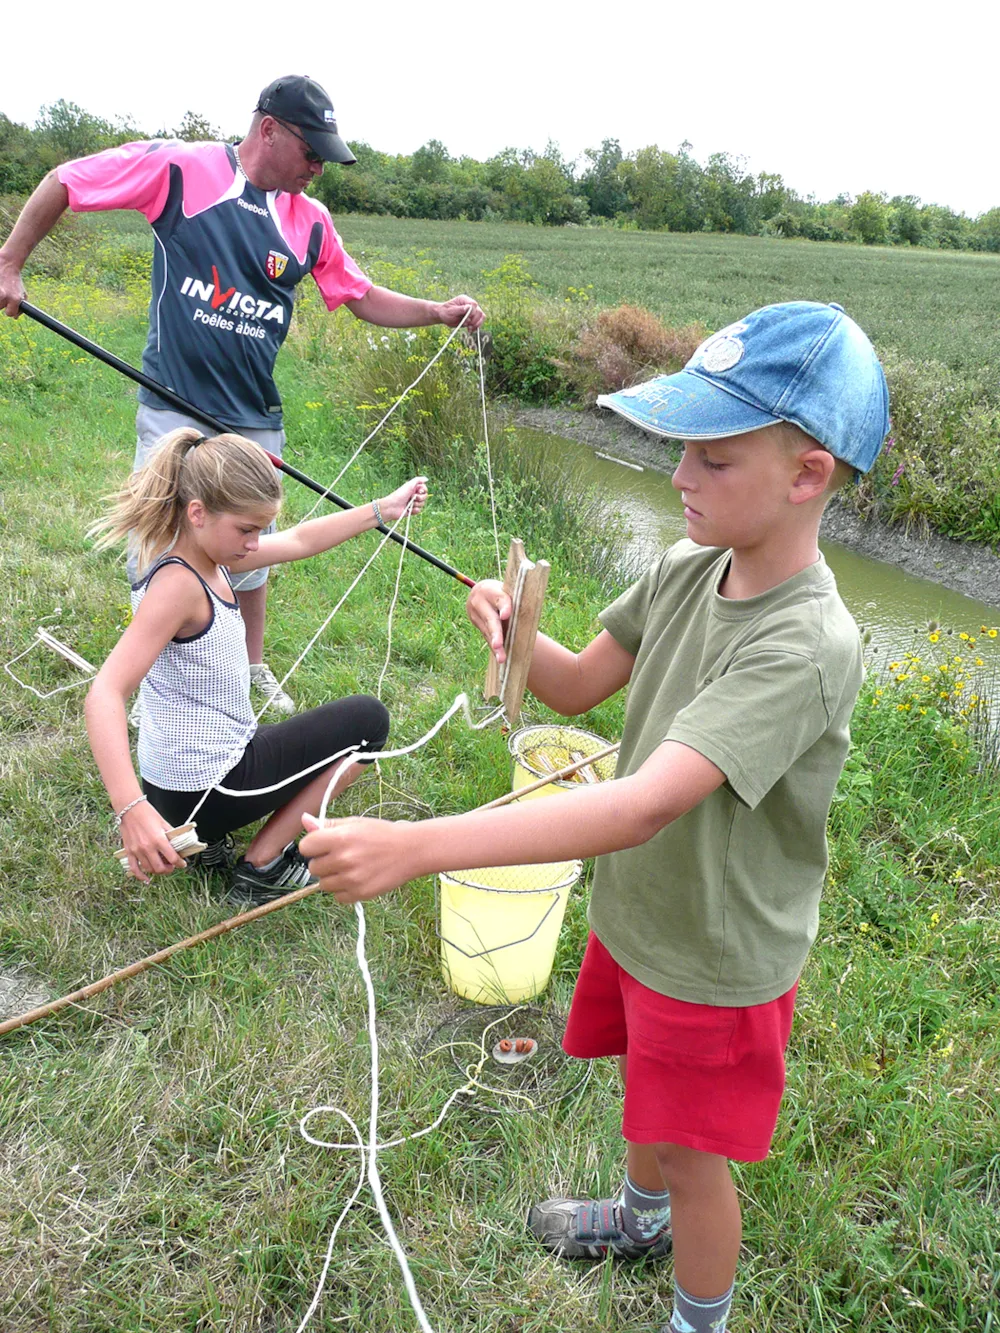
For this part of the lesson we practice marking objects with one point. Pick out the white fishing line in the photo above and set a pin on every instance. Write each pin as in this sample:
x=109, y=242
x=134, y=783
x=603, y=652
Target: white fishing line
x=234, y=757
x=405, y=394
x=489, y=461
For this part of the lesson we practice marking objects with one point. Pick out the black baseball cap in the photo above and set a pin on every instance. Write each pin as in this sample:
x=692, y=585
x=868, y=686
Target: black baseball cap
x=302, y=102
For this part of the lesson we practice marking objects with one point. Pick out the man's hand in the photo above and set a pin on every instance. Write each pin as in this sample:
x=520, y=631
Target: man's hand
x=452, y=312
x=11, y=289
x=357, y=859
x=489, y=608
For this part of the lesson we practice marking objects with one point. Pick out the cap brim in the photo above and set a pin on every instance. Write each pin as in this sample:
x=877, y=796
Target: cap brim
x=330, y=146
x=686, y=407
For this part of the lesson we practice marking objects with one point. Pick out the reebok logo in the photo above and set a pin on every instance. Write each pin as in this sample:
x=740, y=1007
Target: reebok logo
x=253, y=208
x=231, y=301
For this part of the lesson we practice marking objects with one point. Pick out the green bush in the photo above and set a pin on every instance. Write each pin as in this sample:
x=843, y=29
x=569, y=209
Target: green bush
x=526, y=337
x=940, y=466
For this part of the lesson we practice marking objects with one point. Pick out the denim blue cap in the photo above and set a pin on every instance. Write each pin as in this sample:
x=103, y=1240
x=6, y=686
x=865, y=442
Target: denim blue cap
x=800, y=361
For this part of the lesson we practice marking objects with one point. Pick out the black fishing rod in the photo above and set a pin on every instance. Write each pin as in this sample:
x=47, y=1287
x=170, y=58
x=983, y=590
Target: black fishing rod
x=182, y=405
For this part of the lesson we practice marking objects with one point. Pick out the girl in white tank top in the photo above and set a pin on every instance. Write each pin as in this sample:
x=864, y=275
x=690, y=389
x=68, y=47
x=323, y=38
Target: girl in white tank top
x=195, y=512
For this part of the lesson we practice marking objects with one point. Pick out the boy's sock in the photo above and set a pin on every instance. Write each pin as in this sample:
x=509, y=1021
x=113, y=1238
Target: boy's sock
x=692, y=1315
x=645, y=1213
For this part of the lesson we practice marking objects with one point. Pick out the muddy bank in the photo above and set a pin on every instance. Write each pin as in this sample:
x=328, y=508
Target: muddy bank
x=962, y=566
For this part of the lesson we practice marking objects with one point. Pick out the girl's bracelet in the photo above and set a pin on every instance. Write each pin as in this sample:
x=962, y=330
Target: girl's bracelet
x=378, y=513
x=131, y=806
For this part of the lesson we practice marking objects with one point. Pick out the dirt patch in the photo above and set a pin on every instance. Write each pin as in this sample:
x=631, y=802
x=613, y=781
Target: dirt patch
x=962, y=566
x=20, y=992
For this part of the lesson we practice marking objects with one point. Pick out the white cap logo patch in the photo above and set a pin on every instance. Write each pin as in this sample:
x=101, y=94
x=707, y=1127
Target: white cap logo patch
x=328, y=113
x=722, y=351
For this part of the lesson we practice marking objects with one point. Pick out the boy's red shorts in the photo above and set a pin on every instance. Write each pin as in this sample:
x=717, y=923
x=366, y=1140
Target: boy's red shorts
x=701, y=1075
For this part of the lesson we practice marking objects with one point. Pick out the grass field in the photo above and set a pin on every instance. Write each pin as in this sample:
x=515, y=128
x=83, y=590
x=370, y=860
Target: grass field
x=152, y=1179
x=925, y=303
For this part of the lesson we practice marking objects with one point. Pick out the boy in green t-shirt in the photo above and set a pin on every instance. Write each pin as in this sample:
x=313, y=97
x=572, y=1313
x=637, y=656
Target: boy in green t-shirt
x=743, y=666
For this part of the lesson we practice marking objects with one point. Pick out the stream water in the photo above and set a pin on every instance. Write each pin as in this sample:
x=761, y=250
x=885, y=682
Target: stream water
x=893, y=605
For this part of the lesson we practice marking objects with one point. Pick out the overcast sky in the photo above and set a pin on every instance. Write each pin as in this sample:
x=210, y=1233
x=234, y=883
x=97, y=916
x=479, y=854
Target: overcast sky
x=842, y=96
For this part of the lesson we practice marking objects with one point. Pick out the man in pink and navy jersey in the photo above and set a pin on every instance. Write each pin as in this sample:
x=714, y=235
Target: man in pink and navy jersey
x=234, y=235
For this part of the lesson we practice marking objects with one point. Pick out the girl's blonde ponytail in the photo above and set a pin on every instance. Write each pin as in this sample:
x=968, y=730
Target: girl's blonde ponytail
x=227, y=473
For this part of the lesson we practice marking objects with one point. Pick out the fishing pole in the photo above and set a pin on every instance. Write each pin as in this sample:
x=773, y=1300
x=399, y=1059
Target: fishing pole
x=182, y=405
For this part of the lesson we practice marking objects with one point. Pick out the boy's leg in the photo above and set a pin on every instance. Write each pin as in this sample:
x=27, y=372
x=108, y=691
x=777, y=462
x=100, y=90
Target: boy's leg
x=636, y=1224
x=707, y=1229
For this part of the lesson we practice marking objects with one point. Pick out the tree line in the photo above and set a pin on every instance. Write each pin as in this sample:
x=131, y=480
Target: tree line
x=651, y=189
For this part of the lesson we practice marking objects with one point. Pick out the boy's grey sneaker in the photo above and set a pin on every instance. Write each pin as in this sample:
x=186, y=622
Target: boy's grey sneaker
x=264, y=682
x=262, y=884
x=221, y=855
x=591, y=1229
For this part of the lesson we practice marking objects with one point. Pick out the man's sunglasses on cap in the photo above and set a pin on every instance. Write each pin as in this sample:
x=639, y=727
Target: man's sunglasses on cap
x=312, y=157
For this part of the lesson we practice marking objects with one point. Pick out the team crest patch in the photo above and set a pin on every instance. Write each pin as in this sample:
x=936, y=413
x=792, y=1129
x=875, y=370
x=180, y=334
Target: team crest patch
x=276, y=263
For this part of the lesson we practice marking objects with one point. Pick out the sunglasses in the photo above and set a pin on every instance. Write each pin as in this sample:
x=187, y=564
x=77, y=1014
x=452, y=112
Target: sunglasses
x=311, y=157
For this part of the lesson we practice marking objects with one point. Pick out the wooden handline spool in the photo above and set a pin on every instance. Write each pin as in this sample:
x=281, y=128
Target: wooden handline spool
x=184, y=839
x=524, y=582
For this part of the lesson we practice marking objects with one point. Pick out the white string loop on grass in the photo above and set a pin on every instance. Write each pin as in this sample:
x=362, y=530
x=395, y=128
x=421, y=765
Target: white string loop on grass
x=369, y=1152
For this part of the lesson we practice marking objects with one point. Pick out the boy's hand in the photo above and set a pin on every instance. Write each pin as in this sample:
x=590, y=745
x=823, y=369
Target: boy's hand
x=394, y=506
x=356, y=859
x=489, y=608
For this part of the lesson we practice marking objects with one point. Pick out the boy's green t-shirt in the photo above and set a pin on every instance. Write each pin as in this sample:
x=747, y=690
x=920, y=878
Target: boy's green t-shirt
x=721, y=906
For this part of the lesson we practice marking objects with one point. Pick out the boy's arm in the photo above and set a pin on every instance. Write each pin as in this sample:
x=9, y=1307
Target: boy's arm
x=356, y=859
x=321, y=534
x=568, y=682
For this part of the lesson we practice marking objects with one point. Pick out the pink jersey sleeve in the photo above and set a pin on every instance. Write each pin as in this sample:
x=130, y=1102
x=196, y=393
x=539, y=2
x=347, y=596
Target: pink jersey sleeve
x=135, y=175
x=337, y=276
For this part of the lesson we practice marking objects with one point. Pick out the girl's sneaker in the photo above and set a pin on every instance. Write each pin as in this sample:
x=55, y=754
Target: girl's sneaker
x=590, y=1229
x=262, y=884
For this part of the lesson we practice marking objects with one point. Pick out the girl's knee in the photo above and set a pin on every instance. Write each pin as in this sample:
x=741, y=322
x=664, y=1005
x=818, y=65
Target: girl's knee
x=374, y=719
